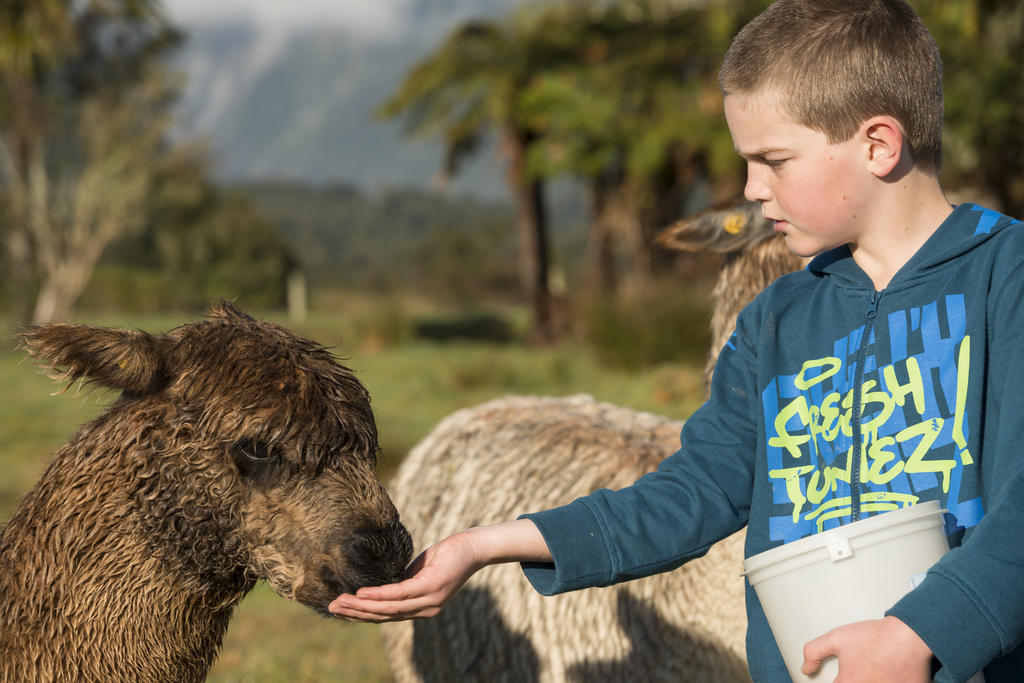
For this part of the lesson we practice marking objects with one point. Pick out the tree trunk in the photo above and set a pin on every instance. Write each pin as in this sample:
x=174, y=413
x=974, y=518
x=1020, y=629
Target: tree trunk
x=17, y=146
x=621, y=224
x=72, y=223
x=60, y=290
x=68, y=258
x=533, y=240
x=600, y=275
x=20, y=273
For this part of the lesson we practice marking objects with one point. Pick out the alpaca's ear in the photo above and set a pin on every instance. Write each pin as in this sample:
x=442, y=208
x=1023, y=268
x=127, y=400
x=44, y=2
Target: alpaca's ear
x=226, y=310
x=120, y=359
x=736, y=227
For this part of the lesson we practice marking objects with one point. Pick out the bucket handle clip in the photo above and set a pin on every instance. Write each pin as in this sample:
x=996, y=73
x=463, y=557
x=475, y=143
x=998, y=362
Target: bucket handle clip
x=840, y=549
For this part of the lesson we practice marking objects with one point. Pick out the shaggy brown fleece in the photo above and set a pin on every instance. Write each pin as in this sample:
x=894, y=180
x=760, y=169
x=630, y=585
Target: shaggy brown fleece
x=236, y=451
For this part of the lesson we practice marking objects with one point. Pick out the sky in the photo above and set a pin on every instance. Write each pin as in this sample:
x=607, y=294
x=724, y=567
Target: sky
x=240, y=55
x=217, y=76
x=379, y=19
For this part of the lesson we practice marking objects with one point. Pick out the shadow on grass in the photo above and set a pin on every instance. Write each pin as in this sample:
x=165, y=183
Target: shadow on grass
x=447, y=649
x=470, y=641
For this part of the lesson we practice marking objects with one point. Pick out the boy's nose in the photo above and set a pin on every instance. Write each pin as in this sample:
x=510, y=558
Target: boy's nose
x=755, y=190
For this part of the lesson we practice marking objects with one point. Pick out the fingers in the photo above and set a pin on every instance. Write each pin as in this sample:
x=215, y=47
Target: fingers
x=402, y=590
x=395, y=591
x=416, y=597
x=433, y=578
x=873, y=650
x=815, y=652
x=376, y=611
x=378, y=599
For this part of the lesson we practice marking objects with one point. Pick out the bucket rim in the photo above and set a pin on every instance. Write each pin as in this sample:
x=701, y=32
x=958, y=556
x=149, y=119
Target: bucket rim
x=847, y=531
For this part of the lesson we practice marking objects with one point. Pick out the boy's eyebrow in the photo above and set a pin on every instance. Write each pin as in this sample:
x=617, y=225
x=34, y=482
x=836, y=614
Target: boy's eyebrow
x=761, y=153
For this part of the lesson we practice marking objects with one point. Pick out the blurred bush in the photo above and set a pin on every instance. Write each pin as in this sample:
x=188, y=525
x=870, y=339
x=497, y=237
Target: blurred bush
x=473, y=326
x=665, y=323
x=198, y=243
x=384, y=325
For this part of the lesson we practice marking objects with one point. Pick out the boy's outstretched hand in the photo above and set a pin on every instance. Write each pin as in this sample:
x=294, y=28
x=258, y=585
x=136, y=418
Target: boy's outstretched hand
x=434, y=577
x=441, y=570
x=879, y=650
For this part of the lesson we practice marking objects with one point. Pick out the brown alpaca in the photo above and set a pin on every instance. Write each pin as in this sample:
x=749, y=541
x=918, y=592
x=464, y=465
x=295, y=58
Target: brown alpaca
x=513, y=455
x=236, y=451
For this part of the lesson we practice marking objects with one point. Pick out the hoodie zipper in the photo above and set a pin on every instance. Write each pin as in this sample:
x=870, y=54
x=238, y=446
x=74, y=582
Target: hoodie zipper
x=858, y=381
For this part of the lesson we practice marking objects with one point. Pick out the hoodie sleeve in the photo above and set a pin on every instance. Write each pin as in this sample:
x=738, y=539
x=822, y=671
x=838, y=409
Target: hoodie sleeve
x=697, y=496
x=970, y=607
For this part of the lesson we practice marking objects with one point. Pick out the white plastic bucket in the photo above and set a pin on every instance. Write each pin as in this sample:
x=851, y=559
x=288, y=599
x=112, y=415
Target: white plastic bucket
x=844, y=575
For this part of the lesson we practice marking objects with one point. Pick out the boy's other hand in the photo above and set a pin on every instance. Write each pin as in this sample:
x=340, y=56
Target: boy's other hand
x=879, y=650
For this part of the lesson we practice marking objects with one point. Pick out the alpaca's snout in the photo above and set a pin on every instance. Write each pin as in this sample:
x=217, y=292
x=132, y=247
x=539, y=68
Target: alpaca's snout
x=378, y=555
x=369, y=556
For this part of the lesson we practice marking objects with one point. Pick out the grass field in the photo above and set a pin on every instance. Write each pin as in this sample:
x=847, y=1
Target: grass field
x=413, y=385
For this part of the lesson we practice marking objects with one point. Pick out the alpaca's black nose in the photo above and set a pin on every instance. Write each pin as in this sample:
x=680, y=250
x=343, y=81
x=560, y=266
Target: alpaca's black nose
x=378, y=555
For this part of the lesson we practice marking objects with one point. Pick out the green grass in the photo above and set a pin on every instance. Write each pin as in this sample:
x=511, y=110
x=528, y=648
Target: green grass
x=272, y=640
x=33, y=423
x=413, y=385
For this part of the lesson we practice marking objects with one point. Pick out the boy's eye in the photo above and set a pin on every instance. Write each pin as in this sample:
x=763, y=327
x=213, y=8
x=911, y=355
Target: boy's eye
x=774, y=163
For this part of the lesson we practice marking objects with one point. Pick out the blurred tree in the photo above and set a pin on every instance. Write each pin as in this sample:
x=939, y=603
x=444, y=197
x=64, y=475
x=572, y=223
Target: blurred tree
x=470, y=86
x=638, y=116
x=466, y=267
x=981, y=43
x=30, y=33
x=196, y=242
x=624, y=96
x=209, y=242
x=85, y=98
x=380, y=242
x=620, y=94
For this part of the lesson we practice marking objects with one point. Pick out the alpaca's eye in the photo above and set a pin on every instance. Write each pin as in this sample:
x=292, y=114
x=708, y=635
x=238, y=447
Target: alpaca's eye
x=250, y=456
x=252, y=449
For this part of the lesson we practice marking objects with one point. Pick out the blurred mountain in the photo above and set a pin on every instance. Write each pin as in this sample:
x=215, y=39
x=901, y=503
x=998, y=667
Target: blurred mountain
x=294, y=100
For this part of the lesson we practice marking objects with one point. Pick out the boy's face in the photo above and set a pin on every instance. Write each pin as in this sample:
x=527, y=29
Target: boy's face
x=812, y=190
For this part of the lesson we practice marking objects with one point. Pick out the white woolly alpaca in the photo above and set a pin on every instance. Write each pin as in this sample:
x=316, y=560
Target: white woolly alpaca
x=495, y=461
x=491, y=462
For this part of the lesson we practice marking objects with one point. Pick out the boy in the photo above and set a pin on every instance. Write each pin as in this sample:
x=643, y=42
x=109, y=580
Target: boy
x=883, y=375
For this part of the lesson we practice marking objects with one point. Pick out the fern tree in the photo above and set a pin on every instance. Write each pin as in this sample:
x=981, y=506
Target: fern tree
x=469, y=88
x=637, y=116
x=984, y=123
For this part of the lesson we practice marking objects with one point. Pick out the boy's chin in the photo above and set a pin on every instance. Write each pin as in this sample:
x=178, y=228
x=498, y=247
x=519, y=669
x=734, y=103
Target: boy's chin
x=801, y=246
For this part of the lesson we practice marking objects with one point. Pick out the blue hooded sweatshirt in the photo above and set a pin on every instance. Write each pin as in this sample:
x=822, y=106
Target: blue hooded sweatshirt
x=923, y=380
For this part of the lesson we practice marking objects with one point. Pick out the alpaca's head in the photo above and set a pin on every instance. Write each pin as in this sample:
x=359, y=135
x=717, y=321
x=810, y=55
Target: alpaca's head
x=726, y=229
x=248, y=452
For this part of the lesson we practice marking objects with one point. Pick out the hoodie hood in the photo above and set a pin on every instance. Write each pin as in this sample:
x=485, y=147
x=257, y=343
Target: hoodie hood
x=965, y=229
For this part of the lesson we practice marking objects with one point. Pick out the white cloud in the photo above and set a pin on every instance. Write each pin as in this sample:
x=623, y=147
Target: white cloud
x=367, y=18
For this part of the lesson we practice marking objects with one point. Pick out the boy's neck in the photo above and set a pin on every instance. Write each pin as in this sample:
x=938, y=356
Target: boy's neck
x=906, y=214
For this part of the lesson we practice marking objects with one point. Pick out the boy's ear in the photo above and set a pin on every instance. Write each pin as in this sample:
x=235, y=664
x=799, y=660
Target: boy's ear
x=120, y=359
x=885, y=144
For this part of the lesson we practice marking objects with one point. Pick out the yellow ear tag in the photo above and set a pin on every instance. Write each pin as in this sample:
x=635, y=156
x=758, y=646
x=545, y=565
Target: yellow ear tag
x=734, y=223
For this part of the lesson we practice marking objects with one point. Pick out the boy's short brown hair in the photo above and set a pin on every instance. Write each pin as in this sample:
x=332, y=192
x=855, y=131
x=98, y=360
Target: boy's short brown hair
x=836, y=63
